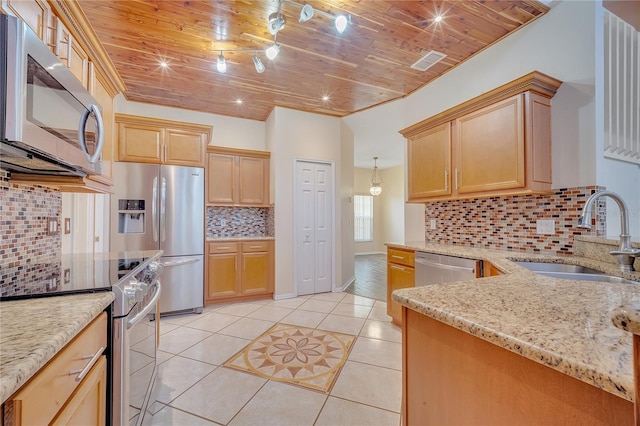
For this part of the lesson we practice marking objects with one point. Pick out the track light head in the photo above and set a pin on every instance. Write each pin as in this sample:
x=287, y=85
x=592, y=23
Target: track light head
x=272, y=51
x=258, y=64
x=341, y=23
x=275, y=22
x=221, y=65
x=306, y=13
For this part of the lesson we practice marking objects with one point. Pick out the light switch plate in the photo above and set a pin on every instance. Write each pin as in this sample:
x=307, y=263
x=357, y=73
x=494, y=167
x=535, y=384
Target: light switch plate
x=545, y=226
x=432, y=224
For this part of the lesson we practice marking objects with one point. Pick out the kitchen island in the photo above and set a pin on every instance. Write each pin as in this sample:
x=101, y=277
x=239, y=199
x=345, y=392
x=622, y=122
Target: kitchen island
x=516, y=346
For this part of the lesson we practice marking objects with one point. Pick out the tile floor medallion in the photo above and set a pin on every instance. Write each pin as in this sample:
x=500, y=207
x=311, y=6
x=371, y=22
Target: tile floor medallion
x=302, y=356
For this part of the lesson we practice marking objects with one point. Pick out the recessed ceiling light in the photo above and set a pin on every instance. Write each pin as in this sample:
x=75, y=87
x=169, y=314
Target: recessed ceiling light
x=239, y=101
x=438, y=18
x=164, y=64
x=325, y=98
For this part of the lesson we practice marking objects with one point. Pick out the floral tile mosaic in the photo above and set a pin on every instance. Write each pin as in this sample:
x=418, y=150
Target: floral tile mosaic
x=302, y=356
x=509, y=222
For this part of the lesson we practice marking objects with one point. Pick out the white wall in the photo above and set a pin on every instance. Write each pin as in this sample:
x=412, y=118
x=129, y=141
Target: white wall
x=393, y=220
x=227, y=131
x=361, y=184
x=346, y=247
x=295, y=135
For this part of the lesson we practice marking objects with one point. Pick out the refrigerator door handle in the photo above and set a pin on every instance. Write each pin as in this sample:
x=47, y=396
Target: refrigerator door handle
x=163, y=200
x=154, y=208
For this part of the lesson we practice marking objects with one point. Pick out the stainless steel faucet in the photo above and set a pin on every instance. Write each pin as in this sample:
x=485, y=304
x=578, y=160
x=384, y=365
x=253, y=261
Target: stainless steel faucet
x=625, y=253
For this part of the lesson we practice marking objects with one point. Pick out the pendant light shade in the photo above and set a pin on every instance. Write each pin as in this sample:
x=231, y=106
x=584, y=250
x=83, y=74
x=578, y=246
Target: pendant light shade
x=258, y=64
x=341, y=23
x=221, y=65
x=272, y=51
x=306, y=13
x=376, y=181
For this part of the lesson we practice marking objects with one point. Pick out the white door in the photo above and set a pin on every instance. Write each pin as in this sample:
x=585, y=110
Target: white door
x=313, y=207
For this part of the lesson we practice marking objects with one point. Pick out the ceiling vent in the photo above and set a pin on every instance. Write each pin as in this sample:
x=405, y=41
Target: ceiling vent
x=428, y=60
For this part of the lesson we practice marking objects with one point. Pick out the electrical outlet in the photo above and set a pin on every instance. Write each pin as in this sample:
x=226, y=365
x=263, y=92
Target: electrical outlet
x=432, y=224
x=545, y=226
x=223, y=222
x=52, y=225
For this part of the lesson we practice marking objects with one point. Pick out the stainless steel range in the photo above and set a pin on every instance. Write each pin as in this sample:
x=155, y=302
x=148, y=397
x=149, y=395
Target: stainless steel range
x=134, y=277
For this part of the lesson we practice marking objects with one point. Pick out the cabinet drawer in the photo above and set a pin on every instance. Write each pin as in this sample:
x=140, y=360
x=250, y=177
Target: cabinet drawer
x=251, y=246
x=226, y=247
x=46, y=393
x=402, y=257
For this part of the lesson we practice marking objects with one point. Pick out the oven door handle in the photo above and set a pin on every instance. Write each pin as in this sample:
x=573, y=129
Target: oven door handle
x=179, y=262
x=150, y=306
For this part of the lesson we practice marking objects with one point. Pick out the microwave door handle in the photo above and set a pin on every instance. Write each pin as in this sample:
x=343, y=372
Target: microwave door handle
x=99, y=131
x=154, y=208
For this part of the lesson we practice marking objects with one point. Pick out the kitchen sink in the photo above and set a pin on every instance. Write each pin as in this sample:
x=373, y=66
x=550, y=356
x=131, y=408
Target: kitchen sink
x=572, y=272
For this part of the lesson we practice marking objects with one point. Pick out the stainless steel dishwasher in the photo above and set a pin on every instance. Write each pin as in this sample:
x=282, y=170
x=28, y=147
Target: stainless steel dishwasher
x=439, y=268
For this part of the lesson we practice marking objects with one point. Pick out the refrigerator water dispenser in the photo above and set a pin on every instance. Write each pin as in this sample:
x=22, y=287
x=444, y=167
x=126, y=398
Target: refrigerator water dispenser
x=131, y=216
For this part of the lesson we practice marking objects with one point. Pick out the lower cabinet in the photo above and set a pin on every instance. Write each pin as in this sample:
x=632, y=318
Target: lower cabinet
x=400, y=274
x=71, y=388
x=238, y=270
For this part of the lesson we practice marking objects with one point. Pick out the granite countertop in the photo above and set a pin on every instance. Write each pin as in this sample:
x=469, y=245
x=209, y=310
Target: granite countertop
x=255, y=238
x=32, y=331
x=564, y=324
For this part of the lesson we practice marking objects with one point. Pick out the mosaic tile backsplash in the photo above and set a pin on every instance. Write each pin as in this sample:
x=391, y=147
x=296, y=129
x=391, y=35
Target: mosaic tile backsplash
x=509, y=222
x=225, y=222
x=24, y=210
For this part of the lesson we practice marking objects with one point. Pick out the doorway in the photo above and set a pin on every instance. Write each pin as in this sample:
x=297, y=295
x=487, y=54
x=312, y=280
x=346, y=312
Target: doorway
x=313, y=227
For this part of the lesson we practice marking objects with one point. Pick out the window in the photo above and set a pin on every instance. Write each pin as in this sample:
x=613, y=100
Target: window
x=363, y=218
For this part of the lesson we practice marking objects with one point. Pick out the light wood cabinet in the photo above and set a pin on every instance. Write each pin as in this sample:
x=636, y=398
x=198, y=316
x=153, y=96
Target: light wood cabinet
x=452, y=377
x=496, y=144
x=152, y=140
x=239, y=270
x=35, y=13
x=400, y=274
x=237, y=177
x=53, y=396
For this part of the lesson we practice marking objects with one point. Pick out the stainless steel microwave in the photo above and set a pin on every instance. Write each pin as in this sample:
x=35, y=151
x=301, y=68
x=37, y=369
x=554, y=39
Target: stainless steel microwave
x=49, y=123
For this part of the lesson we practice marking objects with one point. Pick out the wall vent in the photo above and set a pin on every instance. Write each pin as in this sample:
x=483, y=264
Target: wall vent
x=622, y=85
x=428, y=60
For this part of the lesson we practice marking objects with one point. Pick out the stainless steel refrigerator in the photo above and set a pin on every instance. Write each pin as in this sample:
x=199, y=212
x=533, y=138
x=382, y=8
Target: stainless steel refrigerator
x=162, y=207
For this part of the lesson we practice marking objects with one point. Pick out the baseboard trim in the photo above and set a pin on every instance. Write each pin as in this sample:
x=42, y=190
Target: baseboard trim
x=284, y=296
x=345, y=285
x=364, y=253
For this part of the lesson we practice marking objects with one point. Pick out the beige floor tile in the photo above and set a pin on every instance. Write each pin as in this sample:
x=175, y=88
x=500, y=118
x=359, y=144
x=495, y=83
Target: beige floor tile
x=240, y=309
x=288, y=303
x=358, y=300
x=350, y=310
x=377, y=352
x=342, y=324
x=270, y=313
x=329, y=296
x=166, y=327
x=304, y=318
x=220, y=395
x=382, y=330
x=367, y=384
x=314, y=305
x=180, y=319
x=340, y=412
x=247, y=328
x=280, y=404
x=380, y=304
x=379, y=314
x=213, y=322
x=176, y=376
x=170, y=416
x=163, y=356
x=216, y=349
x=181, y=338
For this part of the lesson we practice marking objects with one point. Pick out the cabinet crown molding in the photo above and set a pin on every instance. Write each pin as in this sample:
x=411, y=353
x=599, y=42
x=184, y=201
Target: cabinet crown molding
x=211, y=149
x=167, y=124
x=534, y=82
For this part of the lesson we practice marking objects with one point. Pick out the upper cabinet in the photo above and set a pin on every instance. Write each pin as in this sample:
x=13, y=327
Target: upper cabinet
x=152, y=140
x=237, y=177
x=496, y=144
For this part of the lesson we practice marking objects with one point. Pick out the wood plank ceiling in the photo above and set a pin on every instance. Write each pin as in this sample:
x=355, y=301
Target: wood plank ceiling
x=367, y=65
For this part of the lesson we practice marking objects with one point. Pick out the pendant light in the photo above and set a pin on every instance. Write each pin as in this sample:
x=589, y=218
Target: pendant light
x=221, y=65
x=376, y=181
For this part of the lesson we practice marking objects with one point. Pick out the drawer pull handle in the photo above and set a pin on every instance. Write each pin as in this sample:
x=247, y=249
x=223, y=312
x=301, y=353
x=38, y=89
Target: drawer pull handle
x=399, y=268
x=83, y=372
x=254, y=247
x=397, y=257
x=223, y=248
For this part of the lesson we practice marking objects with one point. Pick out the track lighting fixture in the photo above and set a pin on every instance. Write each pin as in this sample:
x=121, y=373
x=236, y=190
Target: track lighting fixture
x=221, y=65
x=276, y=22
x=341, y=22
x=272, y=51
x=258, y=64
x=306, y=13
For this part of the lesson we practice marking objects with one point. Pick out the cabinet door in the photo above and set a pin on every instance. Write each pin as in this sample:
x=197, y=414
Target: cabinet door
x=184, y=148
x=222, y=270
x=106, y=101
x=71, y=54
x=398, y=277
x=490, y=148
x=255, y=273
x=87, y=405
x=34, y=12
x=221, y=171
x=139, y=143
x=429, y=159
x=252, y=176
